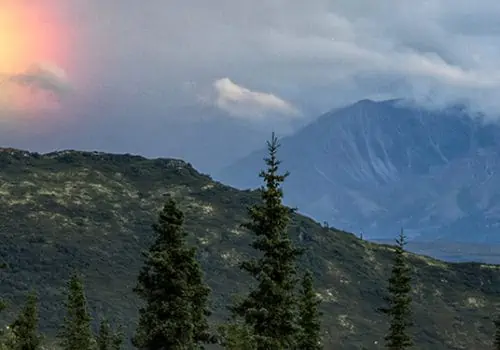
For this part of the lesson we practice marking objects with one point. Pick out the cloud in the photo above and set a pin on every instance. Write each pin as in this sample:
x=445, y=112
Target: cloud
x=41, y=87
x=43, y=76
x=316, y=55
x=142, y=64
x=239, y=101
x=320, y=53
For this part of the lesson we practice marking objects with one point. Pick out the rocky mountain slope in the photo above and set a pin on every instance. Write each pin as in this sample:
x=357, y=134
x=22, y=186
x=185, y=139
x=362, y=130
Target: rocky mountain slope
x=374, y=167
x=92, y=212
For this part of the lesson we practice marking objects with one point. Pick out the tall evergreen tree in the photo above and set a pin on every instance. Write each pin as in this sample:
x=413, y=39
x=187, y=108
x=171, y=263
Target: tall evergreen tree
x=107, y=339
x=309, y=316
x=76, y=333
x=5, y=333
x=496, y=342
x=2, y=303
x=175, y=315
x=237, y=336
x=104, y=336
x=270, y=310
x=25, y=327
x=399, y=300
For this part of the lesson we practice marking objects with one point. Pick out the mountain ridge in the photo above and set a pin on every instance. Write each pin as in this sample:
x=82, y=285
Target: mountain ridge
x=377, y=166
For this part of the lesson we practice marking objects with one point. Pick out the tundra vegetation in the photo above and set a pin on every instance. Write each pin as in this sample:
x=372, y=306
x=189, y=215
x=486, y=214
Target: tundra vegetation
x=220, y=268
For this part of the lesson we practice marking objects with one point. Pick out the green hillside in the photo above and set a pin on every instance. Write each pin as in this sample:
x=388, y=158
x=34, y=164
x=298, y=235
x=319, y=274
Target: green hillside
x=92, y=212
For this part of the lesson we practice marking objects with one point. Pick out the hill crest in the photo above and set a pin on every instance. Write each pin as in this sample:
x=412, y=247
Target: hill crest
x=93, y=214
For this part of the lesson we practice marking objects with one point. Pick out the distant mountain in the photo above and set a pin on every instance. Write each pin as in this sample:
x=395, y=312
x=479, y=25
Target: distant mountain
x=374, y=167
x=91, y=212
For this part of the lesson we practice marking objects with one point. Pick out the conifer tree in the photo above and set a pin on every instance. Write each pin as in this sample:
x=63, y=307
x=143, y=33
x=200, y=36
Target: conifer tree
x=399, y=300
x=107, y=339
x=25, y=327
x=309, y=316
x=175, y=315
x=76, y=333
x=2, y=303
x=4, y=333
x=496, y=342
x=237, y=336
x=270, y=310
x=104, y=336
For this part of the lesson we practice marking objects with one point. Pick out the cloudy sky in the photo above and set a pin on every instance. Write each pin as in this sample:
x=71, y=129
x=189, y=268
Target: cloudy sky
x=180, y=78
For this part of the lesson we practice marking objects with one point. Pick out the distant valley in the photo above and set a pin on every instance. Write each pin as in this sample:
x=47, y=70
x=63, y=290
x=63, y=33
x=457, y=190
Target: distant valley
x=453, y=251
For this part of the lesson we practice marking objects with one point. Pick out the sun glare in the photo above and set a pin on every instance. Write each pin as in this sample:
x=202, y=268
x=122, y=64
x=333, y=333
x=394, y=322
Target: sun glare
x=14, y=39
x=28, y=34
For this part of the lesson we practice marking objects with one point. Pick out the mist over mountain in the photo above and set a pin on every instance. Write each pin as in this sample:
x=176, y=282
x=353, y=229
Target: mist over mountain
x=375, y=167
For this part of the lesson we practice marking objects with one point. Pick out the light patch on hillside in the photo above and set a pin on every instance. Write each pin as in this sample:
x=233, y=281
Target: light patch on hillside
x=346, y=323
x=208, y=187
x=55, y=218
x=204, y=208
x=236, y=231
x=100, y=189
x=433, y=262
x=475, y=302
x=232, y=257
x=418, y=289
x=329, y=295
x=203, y=240
x=5, y=189
x=28, y=199
x=372, y=259
x=492, y=267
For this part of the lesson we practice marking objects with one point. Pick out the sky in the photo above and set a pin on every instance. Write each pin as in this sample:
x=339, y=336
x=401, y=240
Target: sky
x=208, y=80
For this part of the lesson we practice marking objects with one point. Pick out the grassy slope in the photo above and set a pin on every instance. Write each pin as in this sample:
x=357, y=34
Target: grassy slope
x=92, y=212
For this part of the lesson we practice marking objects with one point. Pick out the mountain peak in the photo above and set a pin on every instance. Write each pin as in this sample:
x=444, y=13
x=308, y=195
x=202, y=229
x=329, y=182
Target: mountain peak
x=378, y=166
x=369, y=102
x=365, y=102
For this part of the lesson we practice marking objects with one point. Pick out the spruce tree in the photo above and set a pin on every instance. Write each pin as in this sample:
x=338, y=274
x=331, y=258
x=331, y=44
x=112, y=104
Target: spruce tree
x=309, y=316
x=270, y=310
x=107, y=339
x=104, y=336
x=5, y=333
x=237, y=336
x=25, y=327
x=175, y=315
x=76, y=333
x=496, y=342
x=2, y=302
x=399, y=300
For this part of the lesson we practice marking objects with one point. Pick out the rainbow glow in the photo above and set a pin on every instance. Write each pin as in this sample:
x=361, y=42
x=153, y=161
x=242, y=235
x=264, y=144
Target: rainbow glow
x=30, y=32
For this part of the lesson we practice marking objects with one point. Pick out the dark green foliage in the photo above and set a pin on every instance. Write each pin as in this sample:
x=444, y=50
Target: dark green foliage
x=107, y=339
x=171, y=284
x=2, y=303
x=3, y=337
x=76, y=333
x=496, y=341
x=309, y=316
x=270, y=310
x=399, y=300
x=25, y=327
x=237, y=336
x=92, y=215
